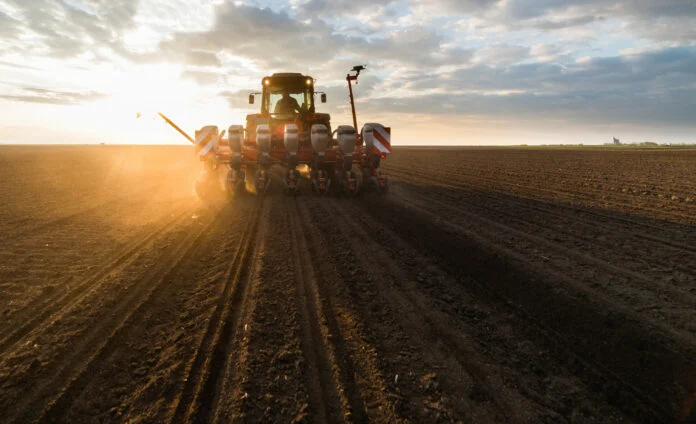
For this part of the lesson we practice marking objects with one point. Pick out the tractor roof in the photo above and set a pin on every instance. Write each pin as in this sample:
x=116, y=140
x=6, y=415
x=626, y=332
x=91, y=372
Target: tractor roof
x=288, y=79
x=287, y=75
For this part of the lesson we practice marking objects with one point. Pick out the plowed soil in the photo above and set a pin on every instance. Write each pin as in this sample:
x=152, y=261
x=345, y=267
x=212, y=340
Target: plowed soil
x=488, y=286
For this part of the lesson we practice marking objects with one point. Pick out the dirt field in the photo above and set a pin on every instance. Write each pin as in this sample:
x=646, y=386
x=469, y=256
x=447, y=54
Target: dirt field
x=489, y=286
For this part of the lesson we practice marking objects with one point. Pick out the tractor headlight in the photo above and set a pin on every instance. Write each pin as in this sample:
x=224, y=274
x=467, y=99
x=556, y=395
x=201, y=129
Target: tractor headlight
x=309, y=81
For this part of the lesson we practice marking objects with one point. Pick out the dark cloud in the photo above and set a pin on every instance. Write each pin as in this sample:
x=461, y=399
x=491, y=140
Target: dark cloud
x=374, y=14
x=668, y=20
x=45, y=96
x=341, y=7
x=275, y=39
x=656, y=71
x=527, y=9
x=550, y=24
x=418, y=46
x=652, y=87
x=270, y=38
x=541, y=110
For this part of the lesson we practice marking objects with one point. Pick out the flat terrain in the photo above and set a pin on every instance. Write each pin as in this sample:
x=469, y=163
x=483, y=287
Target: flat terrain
x=489, y=286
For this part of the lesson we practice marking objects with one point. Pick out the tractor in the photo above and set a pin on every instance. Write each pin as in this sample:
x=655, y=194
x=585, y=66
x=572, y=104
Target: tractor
x=288, y=131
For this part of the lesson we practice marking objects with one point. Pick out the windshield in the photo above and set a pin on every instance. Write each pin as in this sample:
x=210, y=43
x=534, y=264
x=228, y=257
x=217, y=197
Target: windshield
x=287, y=100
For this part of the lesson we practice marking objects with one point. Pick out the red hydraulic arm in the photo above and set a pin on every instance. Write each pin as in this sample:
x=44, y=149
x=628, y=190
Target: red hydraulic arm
x=349, y=78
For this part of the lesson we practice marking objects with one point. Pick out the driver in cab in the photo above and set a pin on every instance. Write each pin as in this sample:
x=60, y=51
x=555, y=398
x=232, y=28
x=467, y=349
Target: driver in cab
x=287, y=104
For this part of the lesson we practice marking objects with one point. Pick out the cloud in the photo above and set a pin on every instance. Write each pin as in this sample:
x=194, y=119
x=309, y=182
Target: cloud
x=566, y=60
x=63, y=30
x=421, y=70
x=341, y=6
x=457, y=6
x=498, y=54
x=238, y=99
x=200, y=58
x=666, y=69
x=272, y=39
x=45, y=96
x=277, y=40
x=18, y=65
x=651, y=87
x=663, y=20
x=202, y=77
x=8, y=25
x=551, y=24
x=417, y=46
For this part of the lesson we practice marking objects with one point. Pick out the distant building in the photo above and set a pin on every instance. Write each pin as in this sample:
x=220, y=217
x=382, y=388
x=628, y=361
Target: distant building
x=617, y=142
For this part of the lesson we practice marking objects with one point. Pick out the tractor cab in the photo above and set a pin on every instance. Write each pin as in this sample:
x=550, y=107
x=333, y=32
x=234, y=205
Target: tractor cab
x=287, y=94
x=287, y=98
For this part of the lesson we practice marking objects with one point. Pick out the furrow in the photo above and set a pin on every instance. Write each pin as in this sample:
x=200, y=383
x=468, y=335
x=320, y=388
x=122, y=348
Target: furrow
x=420, y=320
x=49, y=400
x=49, y=305
x=558, y=309
x=473, y=182
x=586, y=217
x=200, y=394
x=333, y=392
x=476, y=225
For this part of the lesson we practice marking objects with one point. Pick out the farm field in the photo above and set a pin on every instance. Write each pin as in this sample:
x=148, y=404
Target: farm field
x=491, y=285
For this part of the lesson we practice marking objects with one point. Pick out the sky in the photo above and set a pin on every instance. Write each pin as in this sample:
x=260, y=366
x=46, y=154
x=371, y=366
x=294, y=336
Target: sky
x=439, y=72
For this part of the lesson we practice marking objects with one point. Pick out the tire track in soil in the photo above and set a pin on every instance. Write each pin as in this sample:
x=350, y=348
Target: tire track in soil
x=201, y=393
x=52, y=398
x=379, y=397
x=532, y=385
x=266, y=382
x=445, y=344
x=632, y=275
x=446, y=174
x=49, y=305
x=445, y=178
x=657, y=303
x=560, y=319
x=636, y=281
x=589, y=217
x=333, y=393
x=396, y=367
x=537, y=213
x=143, y=374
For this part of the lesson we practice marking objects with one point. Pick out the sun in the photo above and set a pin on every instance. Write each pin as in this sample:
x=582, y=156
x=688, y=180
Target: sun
x=137, y=94
x=150, y=89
